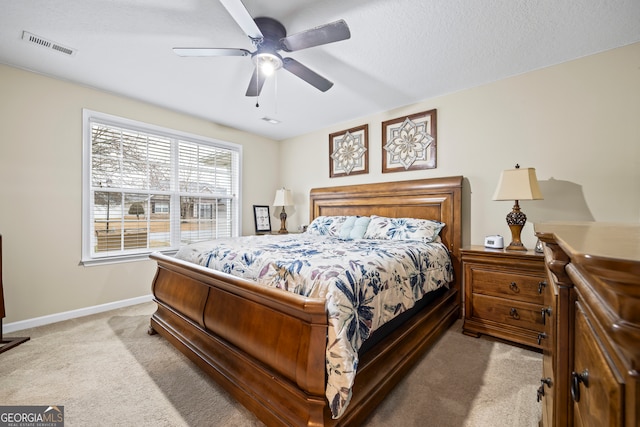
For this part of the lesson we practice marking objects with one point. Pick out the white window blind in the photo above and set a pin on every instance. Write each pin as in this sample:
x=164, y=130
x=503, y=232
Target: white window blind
x=147, y=188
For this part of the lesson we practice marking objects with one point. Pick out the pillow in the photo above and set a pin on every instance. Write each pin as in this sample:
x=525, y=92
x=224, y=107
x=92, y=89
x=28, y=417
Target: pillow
x=326, y=226
x=354, y=227
x=360, y=227
x=347, y=226
x=381, y=227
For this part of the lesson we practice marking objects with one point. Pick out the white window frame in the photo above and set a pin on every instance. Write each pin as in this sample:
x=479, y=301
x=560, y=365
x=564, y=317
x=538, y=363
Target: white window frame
x=89, y=255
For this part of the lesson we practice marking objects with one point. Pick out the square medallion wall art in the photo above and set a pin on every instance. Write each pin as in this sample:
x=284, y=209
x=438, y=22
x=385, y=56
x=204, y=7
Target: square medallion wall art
x=409, y=143
x=348, y=152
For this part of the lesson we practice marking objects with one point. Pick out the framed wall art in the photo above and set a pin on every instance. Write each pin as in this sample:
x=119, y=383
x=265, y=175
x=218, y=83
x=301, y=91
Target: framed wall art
x=348, y=152
x=409, y=143
x=262, y=219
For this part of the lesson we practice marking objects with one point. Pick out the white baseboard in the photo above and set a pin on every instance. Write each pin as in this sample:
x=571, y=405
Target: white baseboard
x=58, y=317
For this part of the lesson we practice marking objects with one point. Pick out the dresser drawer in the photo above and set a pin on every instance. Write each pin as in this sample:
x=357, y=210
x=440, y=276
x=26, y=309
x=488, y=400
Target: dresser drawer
x=508, y=312
x=597, y=394
x=518, y=286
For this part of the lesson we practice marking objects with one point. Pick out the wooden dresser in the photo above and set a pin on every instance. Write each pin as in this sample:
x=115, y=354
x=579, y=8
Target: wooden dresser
x=504, y=294
x=591, y=359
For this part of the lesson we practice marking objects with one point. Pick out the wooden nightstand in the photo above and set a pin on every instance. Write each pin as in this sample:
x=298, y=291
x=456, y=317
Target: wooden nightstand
x=504, y=293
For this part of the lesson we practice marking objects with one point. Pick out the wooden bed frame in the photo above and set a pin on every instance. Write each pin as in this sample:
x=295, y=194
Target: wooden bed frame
x=267, y=347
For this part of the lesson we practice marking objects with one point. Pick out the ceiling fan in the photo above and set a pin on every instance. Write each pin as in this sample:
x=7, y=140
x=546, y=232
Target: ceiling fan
x=269, y=37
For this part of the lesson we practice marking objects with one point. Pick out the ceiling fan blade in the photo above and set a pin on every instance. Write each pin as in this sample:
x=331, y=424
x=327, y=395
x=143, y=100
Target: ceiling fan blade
x=241, y=15
x=328, y=33
x=209, y=51
x=256, y=83
x=306, y=74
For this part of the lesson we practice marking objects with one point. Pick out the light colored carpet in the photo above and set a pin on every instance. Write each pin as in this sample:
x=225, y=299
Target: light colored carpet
x=107, y=371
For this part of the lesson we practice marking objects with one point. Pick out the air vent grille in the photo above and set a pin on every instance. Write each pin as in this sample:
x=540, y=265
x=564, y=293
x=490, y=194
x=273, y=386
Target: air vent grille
x=41, y=41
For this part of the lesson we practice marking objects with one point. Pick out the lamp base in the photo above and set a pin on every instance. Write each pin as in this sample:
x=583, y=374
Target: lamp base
x=283, y=222
x=516, y=244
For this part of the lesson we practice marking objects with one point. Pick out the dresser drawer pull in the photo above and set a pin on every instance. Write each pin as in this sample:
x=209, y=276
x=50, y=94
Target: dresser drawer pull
x=541, y=286
x=541, y=336
x=544, y=381
x=514, y=313
x=514, y=287
x=545, y=312
x=576, y=379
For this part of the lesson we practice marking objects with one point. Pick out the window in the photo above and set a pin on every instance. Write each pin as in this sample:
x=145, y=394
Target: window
x=147, y=189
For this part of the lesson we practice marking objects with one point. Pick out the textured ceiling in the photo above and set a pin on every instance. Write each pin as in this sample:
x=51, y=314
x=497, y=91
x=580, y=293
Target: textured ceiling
x=400, y=51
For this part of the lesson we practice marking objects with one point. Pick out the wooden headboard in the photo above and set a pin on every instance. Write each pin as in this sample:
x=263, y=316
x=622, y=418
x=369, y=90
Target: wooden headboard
x=435, y=198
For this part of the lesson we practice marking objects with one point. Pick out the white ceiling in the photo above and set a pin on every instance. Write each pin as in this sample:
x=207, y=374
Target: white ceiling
x=400, y=51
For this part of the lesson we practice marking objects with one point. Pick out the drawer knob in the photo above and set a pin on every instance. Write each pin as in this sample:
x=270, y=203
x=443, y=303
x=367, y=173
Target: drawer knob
x=514, y=287
x=576, y=379
x=514, y=313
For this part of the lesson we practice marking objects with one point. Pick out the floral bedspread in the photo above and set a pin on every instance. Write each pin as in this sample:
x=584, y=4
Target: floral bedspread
x=366, y=282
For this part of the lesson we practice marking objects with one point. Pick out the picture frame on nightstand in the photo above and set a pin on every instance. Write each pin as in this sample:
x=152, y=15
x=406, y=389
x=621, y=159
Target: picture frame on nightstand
x=262, y=219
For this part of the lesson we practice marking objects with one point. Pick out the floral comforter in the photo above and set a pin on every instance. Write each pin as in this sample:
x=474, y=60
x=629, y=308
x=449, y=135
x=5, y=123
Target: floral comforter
x=366, y=282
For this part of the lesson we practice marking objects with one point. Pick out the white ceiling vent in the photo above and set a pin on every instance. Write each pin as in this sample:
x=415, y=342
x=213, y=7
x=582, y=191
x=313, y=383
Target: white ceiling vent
x=41, y=41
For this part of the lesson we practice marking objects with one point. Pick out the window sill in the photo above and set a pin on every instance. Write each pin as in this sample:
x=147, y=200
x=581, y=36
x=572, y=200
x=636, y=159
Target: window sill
x=91, y=262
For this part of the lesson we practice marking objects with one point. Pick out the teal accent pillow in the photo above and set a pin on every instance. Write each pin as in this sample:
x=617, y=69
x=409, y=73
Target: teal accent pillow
x=354, y=227
x=347, y=226
x=360, y=227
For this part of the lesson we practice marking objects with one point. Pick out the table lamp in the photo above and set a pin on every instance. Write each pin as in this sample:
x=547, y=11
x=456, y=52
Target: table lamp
x=283, y=198
x=517, y=184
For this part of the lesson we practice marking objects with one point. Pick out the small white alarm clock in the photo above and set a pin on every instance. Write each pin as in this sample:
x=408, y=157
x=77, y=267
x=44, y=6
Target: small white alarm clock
x=495, y=242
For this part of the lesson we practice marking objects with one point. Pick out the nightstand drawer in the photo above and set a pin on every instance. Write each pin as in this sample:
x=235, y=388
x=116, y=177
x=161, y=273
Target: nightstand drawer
x=512, y=285
x=508, y=312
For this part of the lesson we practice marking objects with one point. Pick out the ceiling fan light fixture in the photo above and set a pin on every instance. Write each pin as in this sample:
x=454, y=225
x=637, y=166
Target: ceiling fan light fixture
x=267, y=62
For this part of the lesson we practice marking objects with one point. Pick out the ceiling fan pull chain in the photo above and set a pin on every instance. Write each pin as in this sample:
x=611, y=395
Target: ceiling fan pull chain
x=257, y=86
x=275, y=95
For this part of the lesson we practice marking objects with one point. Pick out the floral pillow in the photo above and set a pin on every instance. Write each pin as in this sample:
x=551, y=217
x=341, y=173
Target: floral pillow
x=326, y=226
x=381, y=227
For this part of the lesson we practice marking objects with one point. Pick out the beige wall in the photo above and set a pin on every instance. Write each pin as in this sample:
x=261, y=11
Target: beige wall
x=40, y=192
x=577, y=123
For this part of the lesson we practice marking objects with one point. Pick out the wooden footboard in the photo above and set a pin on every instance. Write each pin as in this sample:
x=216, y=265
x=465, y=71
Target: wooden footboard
x=267, y=347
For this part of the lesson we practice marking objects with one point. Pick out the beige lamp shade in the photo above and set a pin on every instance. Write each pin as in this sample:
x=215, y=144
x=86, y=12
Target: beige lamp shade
x=283, y=198
x=518, y=184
